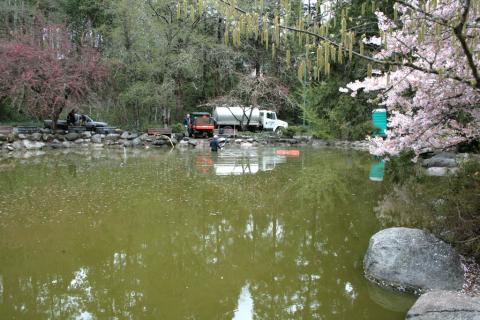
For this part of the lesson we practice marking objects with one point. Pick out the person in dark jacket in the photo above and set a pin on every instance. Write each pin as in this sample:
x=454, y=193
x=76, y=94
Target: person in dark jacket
x=186, y=124
x=71, y=118
x=214, y=144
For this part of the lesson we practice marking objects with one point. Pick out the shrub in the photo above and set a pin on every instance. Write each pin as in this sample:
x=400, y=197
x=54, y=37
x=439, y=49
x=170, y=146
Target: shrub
x=461, y=209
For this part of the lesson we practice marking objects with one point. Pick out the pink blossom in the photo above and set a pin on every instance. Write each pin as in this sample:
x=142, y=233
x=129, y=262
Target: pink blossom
x=434, y=107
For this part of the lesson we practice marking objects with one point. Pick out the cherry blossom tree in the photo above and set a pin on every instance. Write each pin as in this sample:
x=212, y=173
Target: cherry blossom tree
x=429, y=78
x=44, y=74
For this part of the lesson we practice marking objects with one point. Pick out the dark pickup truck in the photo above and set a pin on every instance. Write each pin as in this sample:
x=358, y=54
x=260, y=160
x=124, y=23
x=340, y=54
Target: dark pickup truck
x=80, y=120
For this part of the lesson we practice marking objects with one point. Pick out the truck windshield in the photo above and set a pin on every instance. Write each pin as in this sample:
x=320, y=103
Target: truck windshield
x=202, y=120
x=271, y=115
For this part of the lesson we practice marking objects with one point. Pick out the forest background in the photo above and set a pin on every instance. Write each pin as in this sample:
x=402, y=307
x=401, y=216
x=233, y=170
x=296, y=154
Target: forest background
x=155, y=66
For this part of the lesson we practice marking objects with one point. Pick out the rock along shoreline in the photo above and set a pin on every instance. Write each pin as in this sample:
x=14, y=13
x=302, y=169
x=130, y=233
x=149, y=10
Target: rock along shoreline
x=46, y=139
x=416, y=261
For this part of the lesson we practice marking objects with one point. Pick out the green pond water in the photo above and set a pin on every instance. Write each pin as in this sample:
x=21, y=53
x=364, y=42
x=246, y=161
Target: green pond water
x=153, y=234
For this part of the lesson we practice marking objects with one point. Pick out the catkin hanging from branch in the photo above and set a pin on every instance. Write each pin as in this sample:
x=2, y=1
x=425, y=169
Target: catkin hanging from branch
x=350, y=45
x=301, y=71
x=225, y=36
x=340, y=54
x=362, y=44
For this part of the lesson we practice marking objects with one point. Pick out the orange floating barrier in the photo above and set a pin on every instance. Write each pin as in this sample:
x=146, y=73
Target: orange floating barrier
x=292, y=152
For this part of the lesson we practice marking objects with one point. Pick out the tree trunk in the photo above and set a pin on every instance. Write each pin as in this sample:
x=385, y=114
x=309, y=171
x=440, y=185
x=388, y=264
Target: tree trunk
x=55, y=117
x=178, y=96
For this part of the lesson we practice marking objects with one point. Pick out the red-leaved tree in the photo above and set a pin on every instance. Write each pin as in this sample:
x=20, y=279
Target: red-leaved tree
x=43, y=74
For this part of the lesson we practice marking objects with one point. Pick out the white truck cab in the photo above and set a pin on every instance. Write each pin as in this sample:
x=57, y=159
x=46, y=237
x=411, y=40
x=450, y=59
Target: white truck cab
x=269, y=121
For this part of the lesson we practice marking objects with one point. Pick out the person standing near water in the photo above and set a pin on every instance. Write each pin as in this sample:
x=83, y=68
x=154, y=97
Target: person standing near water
x=214, y=144
x=71, y=118
x=186, y=123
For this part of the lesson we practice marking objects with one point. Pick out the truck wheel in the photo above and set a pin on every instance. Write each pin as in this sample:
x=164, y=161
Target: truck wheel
x=279, y=131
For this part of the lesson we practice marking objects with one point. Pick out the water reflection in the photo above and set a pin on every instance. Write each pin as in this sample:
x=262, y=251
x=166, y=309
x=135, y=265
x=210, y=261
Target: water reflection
x=377, y=170
x=149, y=240
x=244, y=309
x=236, y=161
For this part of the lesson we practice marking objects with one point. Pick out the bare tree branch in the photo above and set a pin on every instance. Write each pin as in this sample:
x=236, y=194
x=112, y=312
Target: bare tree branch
x=458, y=30
x=374, y=60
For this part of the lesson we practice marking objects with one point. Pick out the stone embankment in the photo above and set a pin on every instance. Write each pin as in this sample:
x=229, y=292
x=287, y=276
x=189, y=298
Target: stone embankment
x=416, y=261
x=445, y=163
x=48, y=139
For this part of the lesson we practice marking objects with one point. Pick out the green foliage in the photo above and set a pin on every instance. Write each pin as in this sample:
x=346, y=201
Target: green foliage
x=295, y=130
x=447, y=206
x=178, y=128
x=461, y=209
x=402, y=168
x=333, y=114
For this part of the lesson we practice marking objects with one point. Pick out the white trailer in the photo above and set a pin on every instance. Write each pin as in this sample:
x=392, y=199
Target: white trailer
x=247, y=117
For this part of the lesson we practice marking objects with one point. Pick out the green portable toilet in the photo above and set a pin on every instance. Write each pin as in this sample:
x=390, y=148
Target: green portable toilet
x=379, y=118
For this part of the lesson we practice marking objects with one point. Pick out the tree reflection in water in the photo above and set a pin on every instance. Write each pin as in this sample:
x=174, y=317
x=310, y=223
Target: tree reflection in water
x=153, y=239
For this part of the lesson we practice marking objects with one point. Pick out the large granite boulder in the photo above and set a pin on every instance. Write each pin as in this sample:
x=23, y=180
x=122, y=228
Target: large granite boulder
x=412, y=260
x=445, y=305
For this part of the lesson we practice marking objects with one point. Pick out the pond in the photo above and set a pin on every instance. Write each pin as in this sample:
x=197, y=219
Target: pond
x=153, y=234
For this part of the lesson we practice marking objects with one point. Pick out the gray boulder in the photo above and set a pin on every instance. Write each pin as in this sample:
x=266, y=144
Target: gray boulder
x=17, y=145
x=412, y=260
x=445, y=305
x=132, y=136
x=145, y=137
x=136, y=142
x=97, y=138
x=124, y=135
x=440, y=171
x=72, y=136
x=3, y=137
x=159, y=142
x=443, y=159
x=37, y=136
x=86, y=134
x=32, y=145
x=47, y=137
x=112, y=137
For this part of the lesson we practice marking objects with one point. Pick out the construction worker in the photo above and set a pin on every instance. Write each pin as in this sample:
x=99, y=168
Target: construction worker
x=214, y=144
